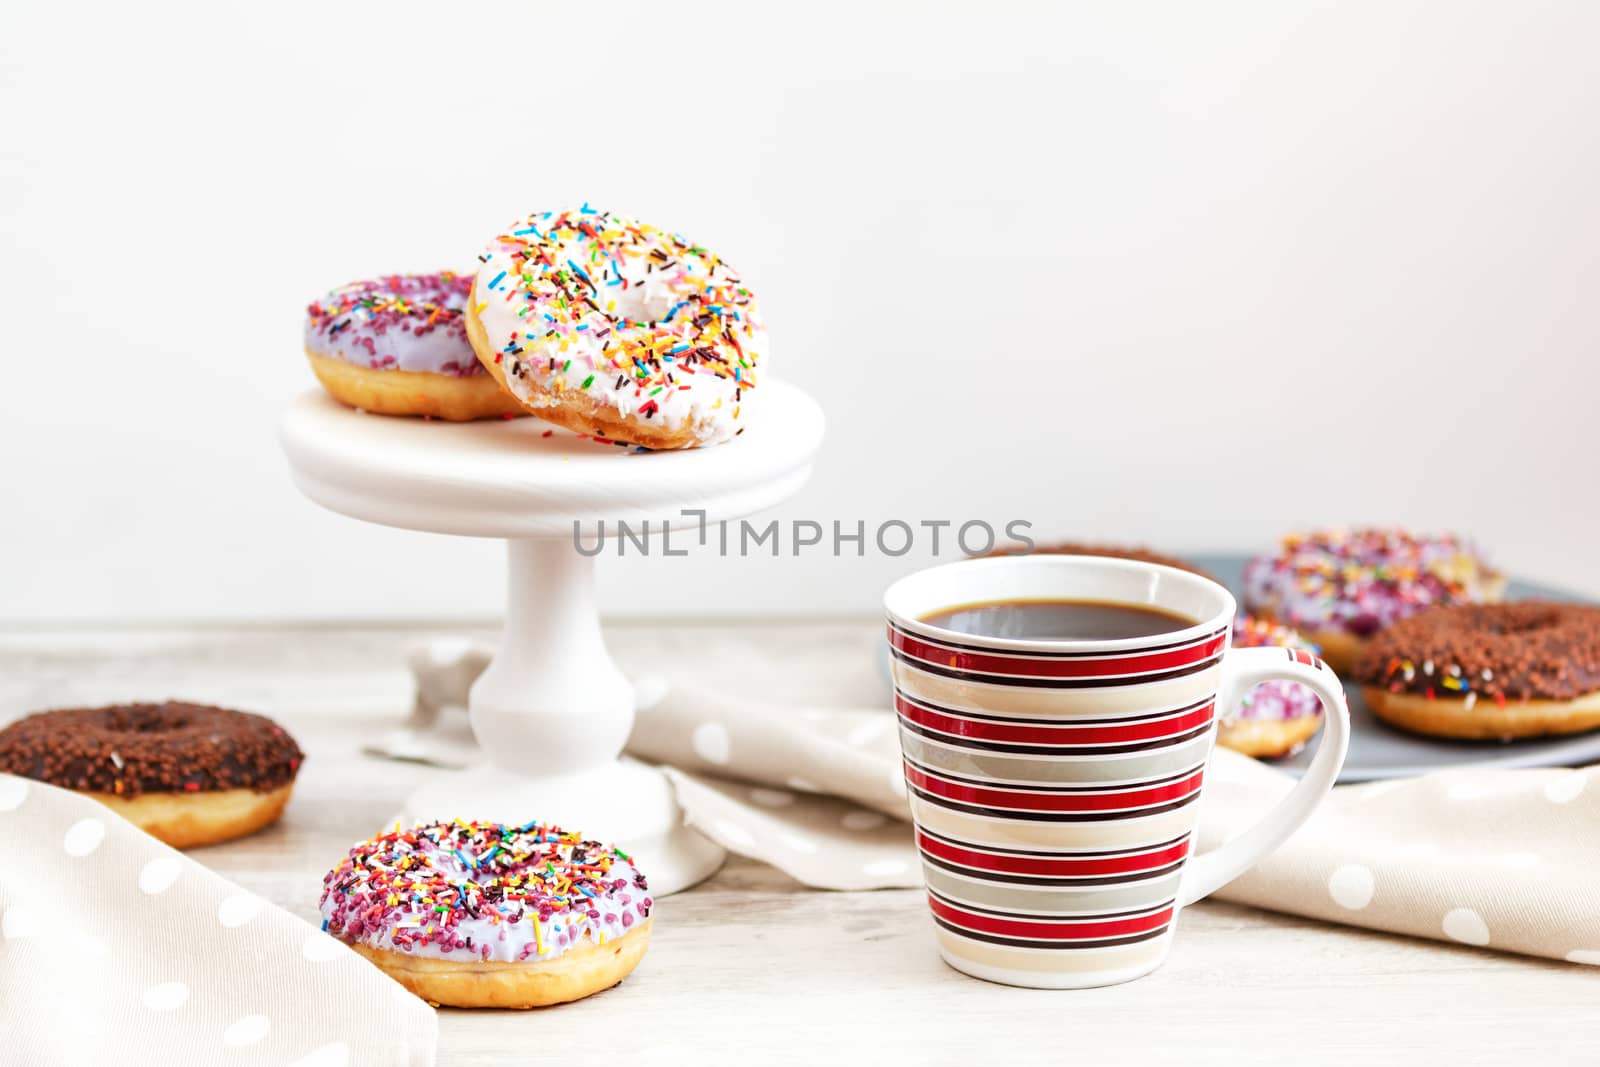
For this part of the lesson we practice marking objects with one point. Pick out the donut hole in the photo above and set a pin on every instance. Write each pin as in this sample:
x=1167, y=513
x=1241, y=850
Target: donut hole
x=144, y=719
x=646, y=302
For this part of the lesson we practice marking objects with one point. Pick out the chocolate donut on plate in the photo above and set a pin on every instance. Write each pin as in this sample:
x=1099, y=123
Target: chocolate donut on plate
x=1484, y=671
x=188, y=774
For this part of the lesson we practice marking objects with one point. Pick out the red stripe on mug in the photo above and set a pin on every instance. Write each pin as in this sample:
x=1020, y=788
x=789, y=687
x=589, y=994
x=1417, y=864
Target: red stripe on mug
x=1117, y=800
x=1059, y=930
x=1053, y=866
x=1130, y=664
x=1066, y=734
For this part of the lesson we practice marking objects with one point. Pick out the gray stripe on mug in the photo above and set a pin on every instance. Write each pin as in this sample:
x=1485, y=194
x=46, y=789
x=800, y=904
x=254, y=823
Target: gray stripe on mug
x=1052, y=901
x=1055, y=770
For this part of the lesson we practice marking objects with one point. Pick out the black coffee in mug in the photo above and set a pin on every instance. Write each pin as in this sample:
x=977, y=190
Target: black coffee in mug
x=1058, y=620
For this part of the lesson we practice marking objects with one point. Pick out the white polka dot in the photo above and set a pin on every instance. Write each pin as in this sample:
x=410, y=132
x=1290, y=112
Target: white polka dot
x=868, y=731
x=20, y=921
x=320, y=948
x=798, y=842
x=1590, y=956
x=732, y=834
x=334, y=1054
x=1466, y=926
x=1565, y=789
x=83, y=837
x=1520, y=861
x=885, y=868
x=711, y=742
x=802, y=784
x=166, y=996
x=772, y=798
x=247, y=1031
x=1352, y=886
x=863, y=820
x=238, y=909
x=158, y=875
x=13, y=791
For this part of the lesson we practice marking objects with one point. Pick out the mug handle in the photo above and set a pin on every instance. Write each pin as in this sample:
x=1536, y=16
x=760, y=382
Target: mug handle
x=1241, y=669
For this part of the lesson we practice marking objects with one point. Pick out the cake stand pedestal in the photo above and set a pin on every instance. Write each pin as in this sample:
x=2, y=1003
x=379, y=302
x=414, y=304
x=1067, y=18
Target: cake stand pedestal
x=552, y=711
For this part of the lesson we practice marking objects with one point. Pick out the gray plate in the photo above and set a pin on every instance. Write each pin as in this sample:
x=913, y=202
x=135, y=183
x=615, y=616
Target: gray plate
x=1378, y=751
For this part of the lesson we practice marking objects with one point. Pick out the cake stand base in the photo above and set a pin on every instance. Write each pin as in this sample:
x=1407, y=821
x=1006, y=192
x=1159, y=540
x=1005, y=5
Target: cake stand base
x=551, y=711
x=632, y=801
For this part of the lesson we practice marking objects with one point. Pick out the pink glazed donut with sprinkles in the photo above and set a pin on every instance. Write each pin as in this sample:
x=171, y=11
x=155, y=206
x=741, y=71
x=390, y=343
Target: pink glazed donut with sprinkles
x=397, y=345
x=1274, y=718
x=482, y=915
x=1339, y=587
x=611, y=327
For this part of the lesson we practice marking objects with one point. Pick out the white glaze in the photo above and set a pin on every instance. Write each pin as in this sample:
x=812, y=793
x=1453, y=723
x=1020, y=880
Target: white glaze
x=510, y=931
x=409, y=322
x=648, y=289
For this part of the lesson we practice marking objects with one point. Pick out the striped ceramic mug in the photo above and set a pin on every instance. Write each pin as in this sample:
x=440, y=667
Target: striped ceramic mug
x=1055, y=783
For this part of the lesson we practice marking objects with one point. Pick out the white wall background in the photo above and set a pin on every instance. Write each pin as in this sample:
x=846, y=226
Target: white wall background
x=1188, y=275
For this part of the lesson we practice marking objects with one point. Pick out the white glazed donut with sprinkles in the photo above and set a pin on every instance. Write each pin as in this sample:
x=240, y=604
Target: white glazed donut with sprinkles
x=483, y=915
x=612, y=327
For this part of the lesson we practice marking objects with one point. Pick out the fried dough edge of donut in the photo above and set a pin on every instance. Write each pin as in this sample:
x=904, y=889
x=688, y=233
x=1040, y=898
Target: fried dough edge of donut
x=1268, y=738
x=414, y=393
x=1485, y=720
x=194, y=820
x=470, y=983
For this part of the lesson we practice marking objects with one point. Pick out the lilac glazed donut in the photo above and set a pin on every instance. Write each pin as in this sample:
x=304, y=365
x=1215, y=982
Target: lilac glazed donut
x=1274, y=718
x=1339, y=587
x=397, y=345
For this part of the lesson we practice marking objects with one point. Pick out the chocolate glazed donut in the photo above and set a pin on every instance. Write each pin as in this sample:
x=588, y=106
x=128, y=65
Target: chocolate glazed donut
x=1488, y=670
x=188, y=774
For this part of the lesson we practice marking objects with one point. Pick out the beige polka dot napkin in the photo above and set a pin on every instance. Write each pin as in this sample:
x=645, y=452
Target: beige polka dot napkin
x=1496, y=858
x=1507, y=859
x=115, y=949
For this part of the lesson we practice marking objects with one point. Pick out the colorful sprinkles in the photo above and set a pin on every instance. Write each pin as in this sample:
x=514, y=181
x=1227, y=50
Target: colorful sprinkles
x=1527, y=650
x=496, y=892
x=1362, y=580
x=412, y=322
x=1277, y=699
x=634, y=318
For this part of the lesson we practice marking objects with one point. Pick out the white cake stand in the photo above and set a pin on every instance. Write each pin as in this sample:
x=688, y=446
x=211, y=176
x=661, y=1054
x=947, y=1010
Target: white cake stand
x=552, y=710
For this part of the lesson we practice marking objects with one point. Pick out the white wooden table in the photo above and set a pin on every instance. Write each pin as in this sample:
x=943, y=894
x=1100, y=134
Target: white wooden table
x=753, y=967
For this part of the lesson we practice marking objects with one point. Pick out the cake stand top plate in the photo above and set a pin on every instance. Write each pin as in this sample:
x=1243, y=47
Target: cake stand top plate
x=523, y=478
